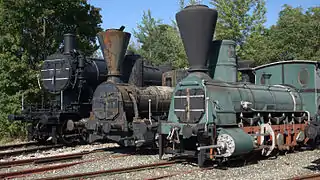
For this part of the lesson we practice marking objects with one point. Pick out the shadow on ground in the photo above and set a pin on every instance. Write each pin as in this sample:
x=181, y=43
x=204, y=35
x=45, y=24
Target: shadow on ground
x=315, y=166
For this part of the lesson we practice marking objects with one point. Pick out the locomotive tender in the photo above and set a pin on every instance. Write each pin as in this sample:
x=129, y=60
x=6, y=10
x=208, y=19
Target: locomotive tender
x=123, y=112
x=218, y=118
x=68, y=80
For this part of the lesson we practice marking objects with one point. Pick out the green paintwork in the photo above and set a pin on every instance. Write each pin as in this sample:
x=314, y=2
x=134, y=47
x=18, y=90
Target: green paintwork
x=287, y=73
x=263, y=98
x=222, y=64
x=225, y=99
x=243, y=142
x=222, y=61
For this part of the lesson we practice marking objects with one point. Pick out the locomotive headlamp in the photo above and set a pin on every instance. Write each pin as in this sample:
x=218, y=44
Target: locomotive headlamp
x=227, y=145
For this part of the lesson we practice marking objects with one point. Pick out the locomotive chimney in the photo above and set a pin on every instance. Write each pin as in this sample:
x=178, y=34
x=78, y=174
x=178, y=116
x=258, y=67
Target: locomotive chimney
x=69, y=42
x=114, y=43
x=196, y=25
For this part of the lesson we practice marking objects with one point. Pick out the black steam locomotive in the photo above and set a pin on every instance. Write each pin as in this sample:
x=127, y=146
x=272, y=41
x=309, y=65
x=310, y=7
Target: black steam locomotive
x=124, y=112
x=68, y=80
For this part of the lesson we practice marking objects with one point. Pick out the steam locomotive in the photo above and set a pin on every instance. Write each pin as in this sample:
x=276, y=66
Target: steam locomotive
x=124, y=112
x=68, y=80
x=217, y=118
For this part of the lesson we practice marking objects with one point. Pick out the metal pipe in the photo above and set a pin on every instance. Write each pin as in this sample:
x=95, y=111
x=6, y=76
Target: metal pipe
x=140, y=141
x=38, y=78
x=207, y=114
x=61, y=100
x=22, y=102
x=209, y=147
x=150, y=111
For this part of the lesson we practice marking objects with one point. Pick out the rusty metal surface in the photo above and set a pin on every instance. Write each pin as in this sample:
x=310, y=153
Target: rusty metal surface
x=146, y=74
x=179, y=173
x=171, y=78
x=305, y=177
x=118, y=170
x=43, y=159
x=160, y=97
x=41, y=169
x=28, y=150
x=9, y=146
x=290, y=141
x=114, y=44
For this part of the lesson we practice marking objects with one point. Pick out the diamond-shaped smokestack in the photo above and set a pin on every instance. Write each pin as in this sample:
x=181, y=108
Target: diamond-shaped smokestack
x=196, y=25
x=114, y=43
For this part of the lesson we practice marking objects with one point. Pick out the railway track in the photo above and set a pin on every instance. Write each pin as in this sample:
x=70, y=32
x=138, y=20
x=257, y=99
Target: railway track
x=6, y=164
x=16, y=174
x=179, y=173
x=114, y=171
x=307, y=177
x=18, y=145
x=25, y=172
x=28, y=150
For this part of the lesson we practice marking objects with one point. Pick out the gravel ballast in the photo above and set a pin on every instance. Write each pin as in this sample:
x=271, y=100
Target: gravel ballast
x=282, y=167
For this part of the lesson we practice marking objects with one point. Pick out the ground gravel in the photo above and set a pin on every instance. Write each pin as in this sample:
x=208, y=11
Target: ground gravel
x=60, y=151
x=286, y=166
x=282, y=167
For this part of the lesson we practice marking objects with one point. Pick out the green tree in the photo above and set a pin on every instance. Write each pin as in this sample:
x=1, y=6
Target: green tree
x=145, y=28
x=31, y=30
x=238, y=20
x=39, y=25
x=294, y=36
x=167, y=47
x=160, y=43
x=182, y=3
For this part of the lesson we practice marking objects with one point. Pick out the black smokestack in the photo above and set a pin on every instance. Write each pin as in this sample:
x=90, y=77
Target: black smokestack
x=196, y=25
x=69, y=42
x=114, y=43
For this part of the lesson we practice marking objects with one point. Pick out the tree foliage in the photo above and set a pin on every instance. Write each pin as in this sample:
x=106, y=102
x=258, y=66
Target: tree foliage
x=160, y=43
x=31, y=30
x=39, y=25
x=238, y=20
x=182, y=3
x=296, y=35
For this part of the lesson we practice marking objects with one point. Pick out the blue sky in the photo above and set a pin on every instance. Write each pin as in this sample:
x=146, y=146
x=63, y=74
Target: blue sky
x=129, y=12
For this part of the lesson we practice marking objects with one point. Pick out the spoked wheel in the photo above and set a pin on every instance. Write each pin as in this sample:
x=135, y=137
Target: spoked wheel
x=38, y=133
x=84, y=137
x=67, y=136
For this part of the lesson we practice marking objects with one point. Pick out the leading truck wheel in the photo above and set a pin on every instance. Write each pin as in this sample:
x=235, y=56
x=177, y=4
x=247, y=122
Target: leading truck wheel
x=66, y=135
